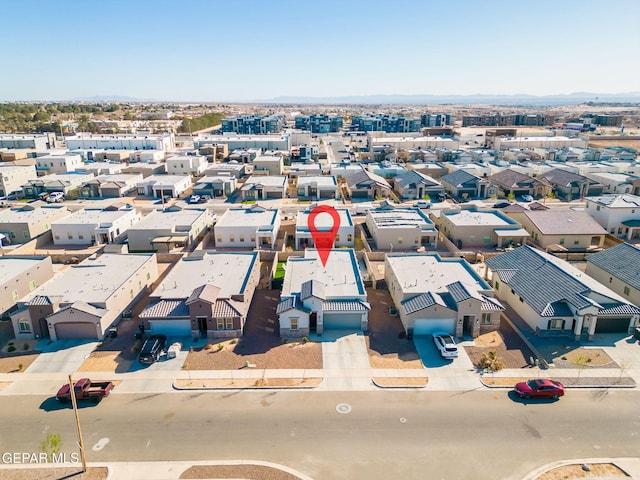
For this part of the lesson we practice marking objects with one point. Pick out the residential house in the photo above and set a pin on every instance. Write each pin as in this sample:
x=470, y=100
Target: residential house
x=430, y=168
x=187, y=165
x=299, y=169
x=433, y=294
x=159, y=186
x=562, y=230
x=317, y=297
x=236, y=170
x=59, y=163
x=565, y=184
x=102, y=168
x=147, y=156
x=465, y=185
x=618, y=214
x=618, y=268
x=18, y=277
x=146, y=169
x=475, y=227
x=264, y=187
x=248, y=227
x=165, y=230
x=13, y=177
x=66, y=183
x=401, y=228
x=215, y=186
x=316, y=187
x=85, y=141
x=34, y=141
x=511, y=182
x=235, y=141
x=25, y=222
x=85, y=300
x=110, y=186
x=364, y=184
x=614, y=182
x=268, y=165
x=324, y=222
x=90, y=226
x=415, y=185
x=205, y=296
x=550, y=294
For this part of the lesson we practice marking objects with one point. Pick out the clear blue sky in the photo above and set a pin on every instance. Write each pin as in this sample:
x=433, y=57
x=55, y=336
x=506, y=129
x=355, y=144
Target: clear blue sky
x=238, y=50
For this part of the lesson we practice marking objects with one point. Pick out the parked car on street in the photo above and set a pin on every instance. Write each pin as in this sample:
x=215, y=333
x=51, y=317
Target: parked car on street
x=501, y=204
x=422, y=204
x=539, y=388
x=85, y=389
x=152, y=349
x=446, y=344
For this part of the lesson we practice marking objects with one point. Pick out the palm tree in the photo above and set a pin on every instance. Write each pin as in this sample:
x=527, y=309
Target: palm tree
x=491, y=361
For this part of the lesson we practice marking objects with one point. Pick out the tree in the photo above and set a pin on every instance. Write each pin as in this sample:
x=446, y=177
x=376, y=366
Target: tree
x=491, y=361
x=51, y=445
x=511, y=197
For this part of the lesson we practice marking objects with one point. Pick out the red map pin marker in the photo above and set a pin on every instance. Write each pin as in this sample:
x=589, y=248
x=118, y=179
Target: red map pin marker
x=323, y=239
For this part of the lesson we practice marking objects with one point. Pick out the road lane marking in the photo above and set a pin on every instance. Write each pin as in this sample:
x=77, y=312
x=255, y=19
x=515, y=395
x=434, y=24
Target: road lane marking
x=343, y=408
x=100, y=444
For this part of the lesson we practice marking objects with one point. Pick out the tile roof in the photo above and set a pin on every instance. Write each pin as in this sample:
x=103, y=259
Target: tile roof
x=545, y=282
x=460, y=178
x=621, y=261
x=511, y=179
x=166, y=309
x=40, y=300
x=420, y=302
x=84, y=307
x=412, y=177
x=312, y=288
x=491, y=304
x=228, y=308
x=557, y=309
x=290, y=303
x=562, y=177
x=459, y=292
x=345, y=306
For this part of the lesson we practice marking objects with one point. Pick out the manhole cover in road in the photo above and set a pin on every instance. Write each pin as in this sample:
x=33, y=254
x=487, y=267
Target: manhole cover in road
x=343, y=408
x=100, y=444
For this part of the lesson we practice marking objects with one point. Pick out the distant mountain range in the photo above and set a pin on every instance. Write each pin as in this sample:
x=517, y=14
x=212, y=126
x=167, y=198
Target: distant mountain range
x=518, y=99
x=111, y=98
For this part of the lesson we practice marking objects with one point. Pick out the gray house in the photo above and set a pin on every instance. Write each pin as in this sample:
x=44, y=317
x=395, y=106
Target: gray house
x=415, y=185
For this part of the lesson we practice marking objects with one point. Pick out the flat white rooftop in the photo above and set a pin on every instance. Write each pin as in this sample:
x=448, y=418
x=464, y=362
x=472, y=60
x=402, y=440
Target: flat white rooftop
x=268, y=180
x=93, y=280
x=93, y=216
x=168, y=219
x=19, y=215
x=419, y=273
x=227, y=271
x=340, y=277
x=323, y=221
x=13, y=267
x=163, y=179
x=319, y=180
x=255, y=217
x=470, y=218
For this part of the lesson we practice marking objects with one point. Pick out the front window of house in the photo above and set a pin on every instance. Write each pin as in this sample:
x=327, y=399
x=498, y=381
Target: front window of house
x=486, y=318
x=24, y=325
x=556, y=324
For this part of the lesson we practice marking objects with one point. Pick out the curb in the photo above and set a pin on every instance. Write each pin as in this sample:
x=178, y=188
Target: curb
x=533, y=475
x=266, y=387
x=399, y=387
x=566, y=386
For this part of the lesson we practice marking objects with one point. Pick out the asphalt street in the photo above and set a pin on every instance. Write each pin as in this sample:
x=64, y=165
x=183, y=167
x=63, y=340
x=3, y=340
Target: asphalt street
x=341, y=435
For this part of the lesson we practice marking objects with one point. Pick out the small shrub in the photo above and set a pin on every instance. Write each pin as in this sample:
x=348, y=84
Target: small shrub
x=491, y=361
x=589, y=360
x=261, y=382
x=208, y=346
x=20, y=367
x=220, y=346
x=564, y=357
x=285, y=340
x=26, y=346
x=305, y=339
x=10, y=343
x=234, y=341
x=11, y=348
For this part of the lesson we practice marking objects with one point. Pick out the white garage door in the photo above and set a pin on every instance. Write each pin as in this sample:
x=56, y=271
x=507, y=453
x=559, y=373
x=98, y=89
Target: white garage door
x=69, y=330
x=171, y=328
x=427, y=326
x=341, y=321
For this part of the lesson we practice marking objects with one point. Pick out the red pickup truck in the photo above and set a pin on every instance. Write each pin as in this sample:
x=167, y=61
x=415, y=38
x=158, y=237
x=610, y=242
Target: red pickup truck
x=85, y=389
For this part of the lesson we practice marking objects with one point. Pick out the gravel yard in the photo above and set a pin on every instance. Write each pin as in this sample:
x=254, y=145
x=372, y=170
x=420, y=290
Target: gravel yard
x=260, y=345
x=506, y=343
x=386, y=343
x=247, y=472
x=9, y=364
x=58, y=473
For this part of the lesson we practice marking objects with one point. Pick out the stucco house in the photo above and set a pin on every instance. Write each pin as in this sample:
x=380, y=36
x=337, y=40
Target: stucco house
x=110, y=186
x=401, y=228
x=550, y=294
x=617, y=214
x=316, y=298
x=433, y=294
x=344, y=235
x=618, y=268
x=159, y=186
x=316, y=187
x=361, y=183
x=272, y=165
x=84, y=300
x=462, y=184
x=511, y=182
x=561, y=230
x=264, y=187
x=566, y=184
x=25, y=222
x=90, y=226
x=215, y=186
x=194, y=165
x=248, y=227
x=205, y=296
x=415, y=185
x=168, y=229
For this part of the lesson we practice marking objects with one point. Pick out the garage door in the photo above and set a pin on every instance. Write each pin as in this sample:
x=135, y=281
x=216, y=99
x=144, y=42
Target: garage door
x=171, y=328
x=613, y=325
x=427, y=326
x=360, y=194
x=327, y=194
x=68, y=330
x=274, y=194
x=341, y=321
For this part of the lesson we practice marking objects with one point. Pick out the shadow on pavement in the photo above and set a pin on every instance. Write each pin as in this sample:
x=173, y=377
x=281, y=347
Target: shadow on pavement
x=51, y=405
x=530, y=401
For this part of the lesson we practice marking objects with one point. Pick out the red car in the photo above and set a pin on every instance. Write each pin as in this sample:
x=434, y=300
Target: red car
x=539, y=388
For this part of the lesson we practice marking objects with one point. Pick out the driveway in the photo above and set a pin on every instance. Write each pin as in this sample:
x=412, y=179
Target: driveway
x=345, y=361
x=61, y=356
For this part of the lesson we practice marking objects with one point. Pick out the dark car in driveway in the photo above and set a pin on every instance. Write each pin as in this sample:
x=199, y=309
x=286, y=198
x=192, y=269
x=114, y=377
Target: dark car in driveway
x=539, y=388
x=152, y=349
x=501, y=204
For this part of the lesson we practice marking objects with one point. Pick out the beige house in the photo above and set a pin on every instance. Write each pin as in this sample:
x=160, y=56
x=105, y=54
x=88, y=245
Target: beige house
x=24, y=223
x=18, y=277
x=401, y=228
x=165, y=230
x=618, y=268
x=205, y=296
x=433, y=294
x=562, y=230
x=84, y=300
x=268, y=165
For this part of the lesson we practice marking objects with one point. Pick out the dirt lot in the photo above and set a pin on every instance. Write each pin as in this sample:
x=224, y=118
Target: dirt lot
x=61, y=473
x=506, y=343
x=249, y=472
x=260, y=346
x=386, y=343
x=248, y=382
x=17, y=363
x=20, y=358
x=598, y=470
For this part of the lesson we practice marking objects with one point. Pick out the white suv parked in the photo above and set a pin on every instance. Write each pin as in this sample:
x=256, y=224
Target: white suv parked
x=446, y=344
x=55, y=197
